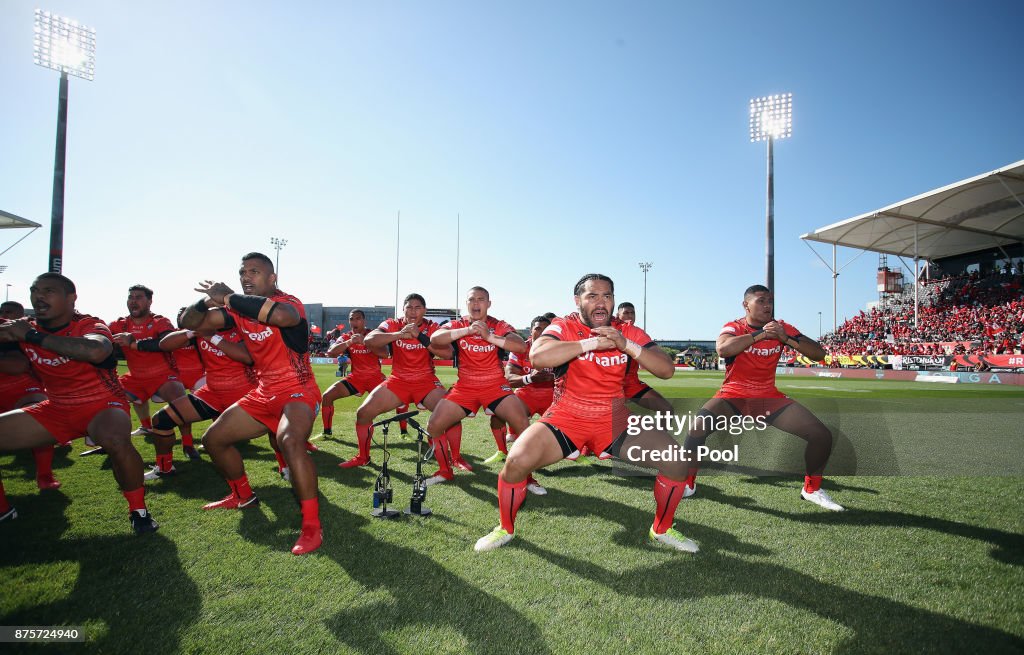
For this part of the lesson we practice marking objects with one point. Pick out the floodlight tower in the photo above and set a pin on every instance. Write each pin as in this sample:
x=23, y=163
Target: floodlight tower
x=771, y=117
x=645, y=267
x=278, y=244
x=65, y=46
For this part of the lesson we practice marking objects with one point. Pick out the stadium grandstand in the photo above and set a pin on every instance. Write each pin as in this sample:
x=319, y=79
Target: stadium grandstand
x=964, y=304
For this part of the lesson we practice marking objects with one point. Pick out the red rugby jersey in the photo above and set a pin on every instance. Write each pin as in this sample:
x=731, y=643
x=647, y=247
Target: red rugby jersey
x=146, y=364
x=411, y=361
x=187, y=361
x=365, y=363
x=751, y=373
x=280, y=355
x=224, y=374
x=73, y=381
x=477, y=360
x=25, y=380
x=522, y=360
x=590, y=385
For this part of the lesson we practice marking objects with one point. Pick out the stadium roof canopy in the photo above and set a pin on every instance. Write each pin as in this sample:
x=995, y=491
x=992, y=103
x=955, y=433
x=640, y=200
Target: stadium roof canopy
x=982, y=212
x=10, y=220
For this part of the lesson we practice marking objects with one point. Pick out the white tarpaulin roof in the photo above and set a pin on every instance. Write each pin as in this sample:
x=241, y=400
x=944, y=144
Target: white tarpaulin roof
x=975, y=214
x=10, y=220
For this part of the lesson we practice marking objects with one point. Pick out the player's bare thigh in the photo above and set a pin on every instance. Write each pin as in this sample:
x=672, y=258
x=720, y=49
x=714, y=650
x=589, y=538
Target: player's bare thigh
x=295, y=426
x=380, y=400
x=535, y=448
x=19, y=430
x=336, y=391
x=234, y=425
x=444, y=415
x=513, y=411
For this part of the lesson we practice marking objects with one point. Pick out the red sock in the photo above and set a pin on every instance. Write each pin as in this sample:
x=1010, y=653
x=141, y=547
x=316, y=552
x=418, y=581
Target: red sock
x=310, y=512
x=510, y=497
x=403, y=425
x=241, y=487
x=691, y=479
x=135, y=498
x=454, y=437
x=363, y=433
x=164, y=462
x=441, y=454
x=667, y=494
x=281, y=464
x=4, y=505
x=44, y=462
x=499, y=438
x=186, y=436
x=812, y=483
x=146, y=422
x=327, y=415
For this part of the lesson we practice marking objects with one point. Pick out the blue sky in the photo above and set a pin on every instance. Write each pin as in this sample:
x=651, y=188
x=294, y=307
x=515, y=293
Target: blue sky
x=570, y=136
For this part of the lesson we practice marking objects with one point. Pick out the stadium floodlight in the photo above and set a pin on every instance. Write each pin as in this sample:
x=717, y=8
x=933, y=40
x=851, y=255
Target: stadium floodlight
x=771, y=117
x=645, y=267
x=62, y=44
x=65, y=46
x=278, y=244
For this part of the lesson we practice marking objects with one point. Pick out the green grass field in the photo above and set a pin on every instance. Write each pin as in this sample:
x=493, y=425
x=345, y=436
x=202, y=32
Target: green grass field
x=926, y=563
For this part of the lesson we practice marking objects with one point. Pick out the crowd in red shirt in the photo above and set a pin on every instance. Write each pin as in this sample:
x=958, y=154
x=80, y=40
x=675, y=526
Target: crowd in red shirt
x=958, y=314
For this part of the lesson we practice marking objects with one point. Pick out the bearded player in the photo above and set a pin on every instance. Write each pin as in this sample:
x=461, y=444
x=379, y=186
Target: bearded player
x=752, y=346
x=151, y=372
x=590, y=358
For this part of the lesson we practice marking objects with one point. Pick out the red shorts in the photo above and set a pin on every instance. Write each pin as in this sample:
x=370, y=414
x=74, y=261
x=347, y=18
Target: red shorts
x=595, y=432
x=411, y=392
x=767, y=407
x=68, y=422
x=268, y=409
x=191, y=378
x=363, y=384
x=10, y=396
x=220, y=400
x=634, y=387
x=473, y=398
x=142, y=389
x=537, y=402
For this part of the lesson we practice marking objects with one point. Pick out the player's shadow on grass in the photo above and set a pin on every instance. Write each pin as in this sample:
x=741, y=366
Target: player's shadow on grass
x=1008, y=547
x=135, y=585
x=879, y=624
x=62, y=459
x=839, y=483
x=423, y=594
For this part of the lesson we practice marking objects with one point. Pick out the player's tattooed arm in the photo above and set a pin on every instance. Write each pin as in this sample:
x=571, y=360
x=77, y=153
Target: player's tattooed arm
x=199, y=317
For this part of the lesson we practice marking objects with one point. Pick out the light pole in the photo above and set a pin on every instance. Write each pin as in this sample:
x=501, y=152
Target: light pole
x=7, y=293
x=771, y=117
x=278, y=244
x=65, y=46
x=645, y=266
x=819, y=326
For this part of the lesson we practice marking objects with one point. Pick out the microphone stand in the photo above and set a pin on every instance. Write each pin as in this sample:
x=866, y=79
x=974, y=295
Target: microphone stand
x=419, y=482
x=382, y=492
